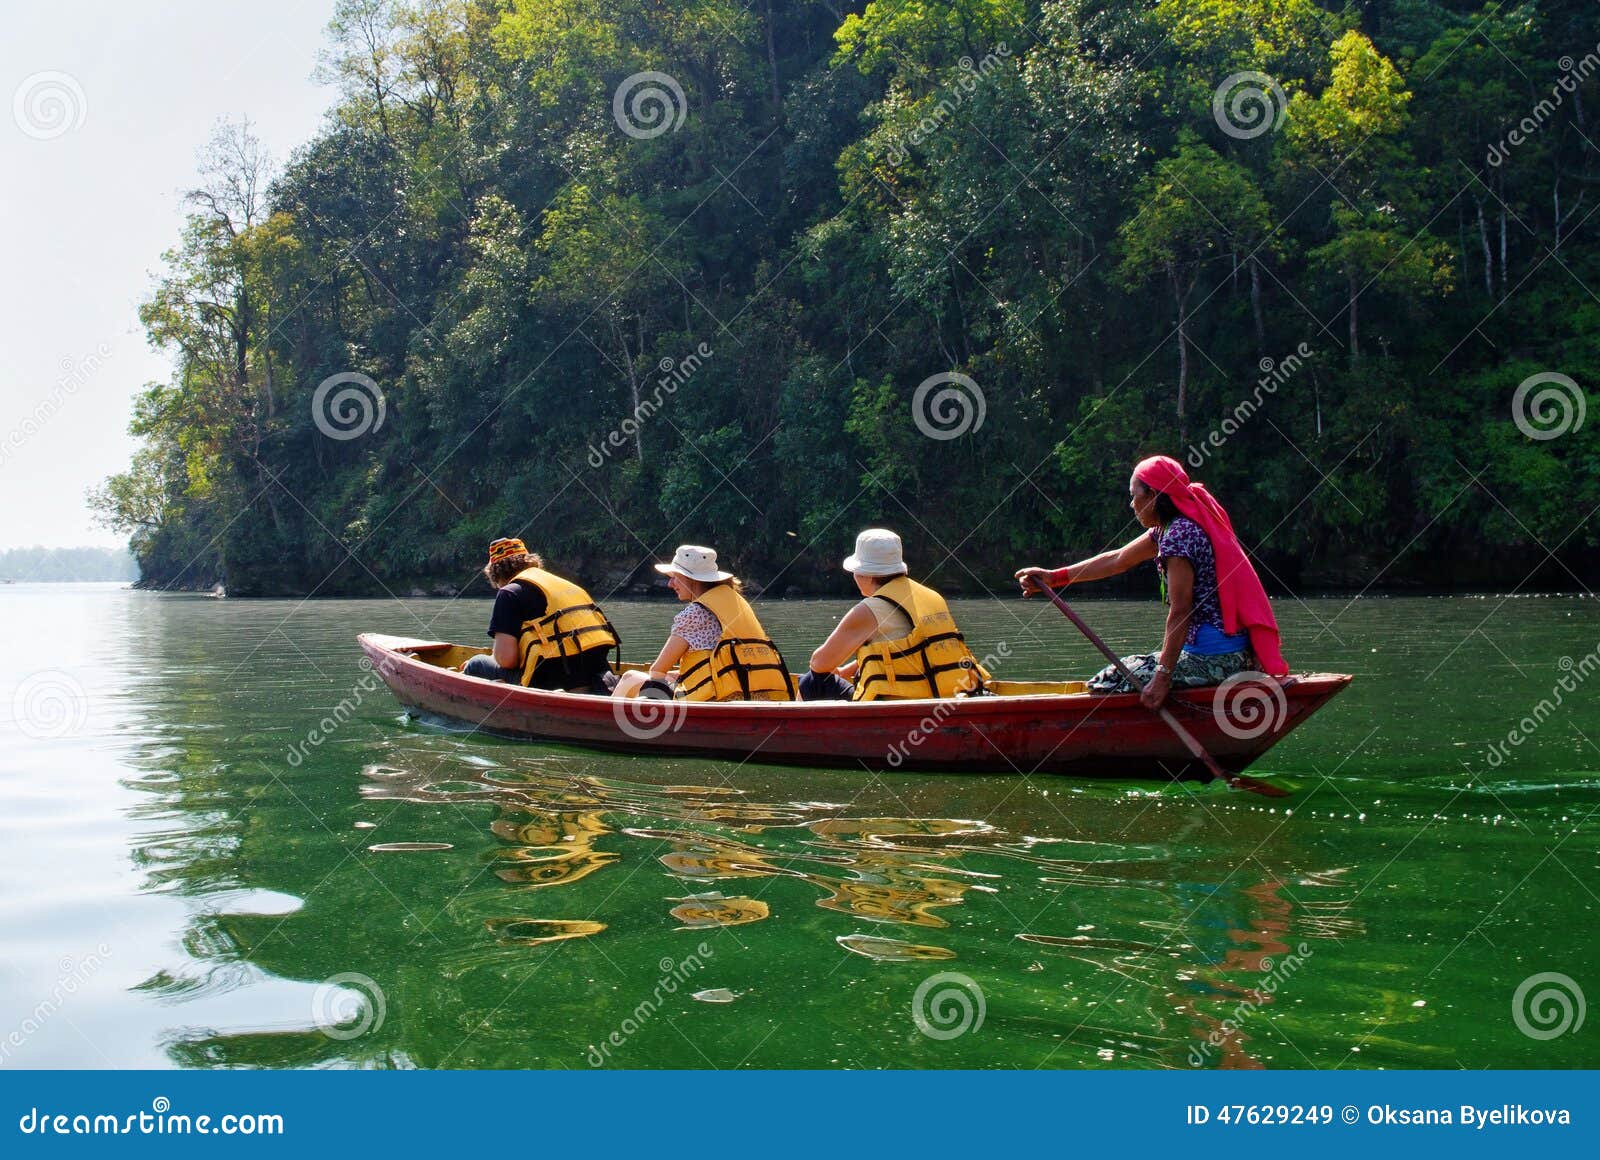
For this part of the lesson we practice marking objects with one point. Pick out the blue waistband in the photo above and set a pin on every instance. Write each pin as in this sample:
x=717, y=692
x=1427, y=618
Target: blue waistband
x=1211, y=641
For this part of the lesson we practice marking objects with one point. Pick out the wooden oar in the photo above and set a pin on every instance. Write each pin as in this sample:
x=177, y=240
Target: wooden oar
x=1236, y=780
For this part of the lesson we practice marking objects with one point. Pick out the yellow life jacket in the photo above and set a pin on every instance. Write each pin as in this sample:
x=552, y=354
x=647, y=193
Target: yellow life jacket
x=743, y=666
x=572, y=623
x=933, y=660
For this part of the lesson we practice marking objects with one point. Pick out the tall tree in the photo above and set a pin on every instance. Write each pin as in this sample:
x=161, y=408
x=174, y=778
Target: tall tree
x=1195, y=210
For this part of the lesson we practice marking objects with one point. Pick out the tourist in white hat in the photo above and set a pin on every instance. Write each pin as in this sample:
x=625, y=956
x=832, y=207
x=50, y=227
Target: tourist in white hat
x=900, y=642
x=717, y=649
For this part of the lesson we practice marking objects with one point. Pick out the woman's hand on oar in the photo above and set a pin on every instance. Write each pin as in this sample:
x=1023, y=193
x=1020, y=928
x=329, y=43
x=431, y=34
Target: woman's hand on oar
x=1033, y=580
x=1190, y=742
x=1154, y=693
x=1037, y=580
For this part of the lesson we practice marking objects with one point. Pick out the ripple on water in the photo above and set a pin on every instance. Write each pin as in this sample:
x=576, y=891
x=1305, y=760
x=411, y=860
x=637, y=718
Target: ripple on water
x=532, y=932
x=875, y=831
x=892, y=950
x=1090, y=942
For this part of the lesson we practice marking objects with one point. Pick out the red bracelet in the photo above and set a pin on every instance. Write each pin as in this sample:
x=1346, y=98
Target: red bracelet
x=1059, y=577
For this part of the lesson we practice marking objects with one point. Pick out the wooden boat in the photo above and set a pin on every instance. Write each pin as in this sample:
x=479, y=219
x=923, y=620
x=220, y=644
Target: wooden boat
x=1027, y=727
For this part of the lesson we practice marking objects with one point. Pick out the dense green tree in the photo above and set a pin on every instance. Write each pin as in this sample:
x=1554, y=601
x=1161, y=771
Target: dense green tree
x=742, y=236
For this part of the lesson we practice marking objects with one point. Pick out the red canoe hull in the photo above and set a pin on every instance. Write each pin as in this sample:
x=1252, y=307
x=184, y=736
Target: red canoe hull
x=1083, y=735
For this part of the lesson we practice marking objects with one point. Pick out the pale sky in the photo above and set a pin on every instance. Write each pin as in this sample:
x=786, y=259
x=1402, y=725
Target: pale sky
x=86, y=213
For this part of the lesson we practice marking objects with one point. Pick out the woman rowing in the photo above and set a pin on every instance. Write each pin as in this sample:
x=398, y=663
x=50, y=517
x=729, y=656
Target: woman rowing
x=547, y=632
x=899, y=642
x=717, y=649
x=1219, y=621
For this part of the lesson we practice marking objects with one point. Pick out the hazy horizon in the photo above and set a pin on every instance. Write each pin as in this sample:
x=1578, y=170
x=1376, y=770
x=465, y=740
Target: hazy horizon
x=107, y=107
x=55, y=565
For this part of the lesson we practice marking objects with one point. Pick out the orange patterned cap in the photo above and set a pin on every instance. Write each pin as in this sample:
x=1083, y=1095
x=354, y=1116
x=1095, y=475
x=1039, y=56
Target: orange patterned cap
x=503, y=548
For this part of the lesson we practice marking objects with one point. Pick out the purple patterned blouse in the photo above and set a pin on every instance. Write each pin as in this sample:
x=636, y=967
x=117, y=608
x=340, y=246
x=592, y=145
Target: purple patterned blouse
x=1183, y=537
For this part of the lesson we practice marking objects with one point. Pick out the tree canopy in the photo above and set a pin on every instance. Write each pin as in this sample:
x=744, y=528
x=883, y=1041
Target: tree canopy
x=612, y=276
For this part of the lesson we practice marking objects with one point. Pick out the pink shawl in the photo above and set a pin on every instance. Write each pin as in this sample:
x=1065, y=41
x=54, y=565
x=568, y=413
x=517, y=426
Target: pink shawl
x=1244, y=601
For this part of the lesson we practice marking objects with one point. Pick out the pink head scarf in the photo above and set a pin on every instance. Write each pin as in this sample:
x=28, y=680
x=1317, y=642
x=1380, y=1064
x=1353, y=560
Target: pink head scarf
x=1244, y=602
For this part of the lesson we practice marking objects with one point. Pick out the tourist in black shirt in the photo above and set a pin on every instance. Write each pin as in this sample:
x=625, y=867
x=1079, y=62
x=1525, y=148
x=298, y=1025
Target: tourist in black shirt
x=520, y=602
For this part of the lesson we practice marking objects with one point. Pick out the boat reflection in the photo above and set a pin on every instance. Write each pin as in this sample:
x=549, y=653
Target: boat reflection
x=1192, y=982
x=1090, y=949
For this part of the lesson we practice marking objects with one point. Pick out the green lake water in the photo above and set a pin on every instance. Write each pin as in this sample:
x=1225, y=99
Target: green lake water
x=186, y=881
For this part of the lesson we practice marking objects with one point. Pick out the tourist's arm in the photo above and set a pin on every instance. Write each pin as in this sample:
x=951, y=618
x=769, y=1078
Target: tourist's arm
x=507, y=652
x=1180, y=606
x=847, y=636
x=667, y=660
x=513, y=607
x=1112, y=563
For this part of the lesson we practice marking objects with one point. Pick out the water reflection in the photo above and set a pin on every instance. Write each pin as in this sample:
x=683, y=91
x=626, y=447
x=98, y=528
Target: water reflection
x=513, y=905
x=894, y=870
x=472, y=914
x=713, y=909
x=1175, y=972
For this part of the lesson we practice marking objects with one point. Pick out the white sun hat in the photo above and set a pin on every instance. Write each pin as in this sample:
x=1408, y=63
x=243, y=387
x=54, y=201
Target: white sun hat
x=878, y=553
x=696, y=563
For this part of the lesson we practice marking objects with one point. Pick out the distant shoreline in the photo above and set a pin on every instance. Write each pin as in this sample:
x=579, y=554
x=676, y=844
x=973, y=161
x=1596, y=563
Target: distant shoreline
x=37, y=564
x=1084, y=596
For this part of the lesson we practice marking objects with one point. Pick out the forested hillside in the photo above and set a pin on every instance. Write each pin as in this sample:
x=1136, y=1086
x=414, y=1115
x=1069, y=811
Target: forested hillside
x=615, y=274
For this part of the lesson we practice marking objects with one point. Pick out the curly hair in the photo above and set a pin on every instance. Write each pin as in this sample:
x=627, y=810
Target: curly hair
x=499, y=572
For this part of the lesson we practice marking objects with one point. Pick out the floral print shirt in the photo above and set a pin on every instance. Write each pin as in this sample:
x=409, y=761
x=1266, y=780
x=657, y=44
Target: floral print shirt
x=1183, y=537
x=698, y=625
